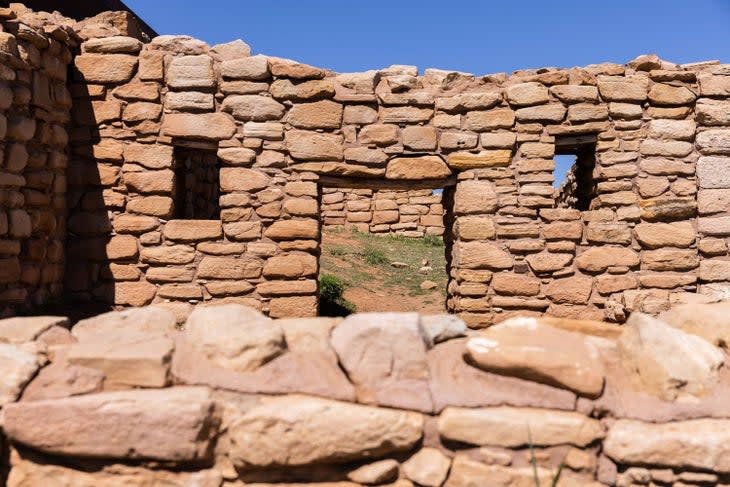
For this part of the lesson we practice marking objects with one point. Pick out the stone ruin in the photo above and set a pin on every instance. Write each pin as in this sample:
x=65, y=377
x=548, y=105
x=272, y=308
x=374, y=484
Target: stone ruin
x=174, y=172
x=186, y=186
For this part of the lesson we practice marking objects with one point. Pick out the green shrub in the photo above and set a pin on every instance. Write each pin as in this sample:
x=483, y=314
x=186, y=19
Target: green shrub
x=433, y=241
x=331, y=301
x=338, y=251
x=373, y=256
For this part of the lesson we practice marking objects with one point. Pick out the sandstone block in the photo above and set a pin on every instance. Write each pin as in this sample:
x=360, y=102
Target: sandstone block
x=249, y=68
x=229, y=268
x=380, y=472
x=475, y=228
x=285, y=89
x=512, y=427
x=551, y=113
x=359, y=115
x=571, y=290
x=526, y=94
x=468, y=101
x=312, y=146
x=666, y=361
x=290, y=265
x=253, y=107
x=473, y=196
x=149, y=182
x=419, y=138
x=151, y=156
x=565, y=358
x=636, y=442
x=169, y=254
x=546, y=262
x=485, y=158
x=234, y=337
x=499, y=118
x=712, y=112
x=714, y=141
x=384, y=355
x=206, y=126
x=292, y=306
x=657, y=235
x=515, y=284
x=112, y=45
x=672, y=129
x=324, y=114
x=287, y=430
x=293, y=229
x=193, y=230
x=186, y=72
x=711, y=85
x=405, y=114
x=106, y=69
x=378, y=134
x=175, y=424
x=623, y=89
x=423, y=167
x=428, y=467
x=598, y=259
x=481, y=255
x=243, y=179
x=661, y=94
x=575, y=93
x=189, y=101
x=18, y=367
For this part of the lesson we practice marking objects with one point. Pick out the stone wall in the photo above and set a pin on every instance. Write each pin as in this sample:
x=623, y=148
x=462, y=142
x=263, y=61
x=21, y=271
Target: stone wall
x=233, y=398
x=35, y=109
x=642, y=225
x=411, y=213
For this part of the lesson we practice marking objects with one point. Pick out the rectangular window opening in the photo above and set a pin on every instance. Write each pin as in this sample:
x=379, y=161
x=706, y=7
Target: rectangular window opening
x=196, y=184
x=575, y=160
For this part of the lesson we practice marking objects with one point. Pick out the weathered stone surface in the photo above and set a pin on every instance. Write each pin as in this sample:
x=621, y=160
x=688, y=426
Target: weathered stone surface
x=658, y=235
x=442, y=327
x=529, y=349
x=193, y=230
x=712, y=172
x=514, y=427
x=293, y=229
x=112, y=45
x=185, y=72
x=423, y=167
x=109, y=68
x=207, y=126
x=18, y=366
x=243, y=179
x=699, y=444
x=312, y=146
x=628, y=89
x=475, y=197
x=253, y=107
x=481, y=255
x=526, y=94
x=455, y=383
x=234, y=336
x=324, y=114
x=710, y=321
x=713, y=112
x=428, y=467
x=598, y=259
x=248, y=68
x=384, y=355
x=546, y=262
x=666, y=361
x=150, y=322
x=468, y=101
x=714, y=141
x=288, y=430
x=466, y=472
x=175, y=424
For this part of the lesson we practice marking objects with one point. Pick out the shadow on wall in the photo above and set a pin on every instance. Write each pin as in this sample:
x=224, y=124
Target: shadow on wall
x=94, y=170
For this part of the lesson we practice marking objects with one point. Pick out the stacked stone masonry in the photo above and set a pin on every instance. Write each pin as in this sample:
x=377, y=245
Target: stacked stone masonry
x=227, y=397
x=413, y=213
x=642, y=222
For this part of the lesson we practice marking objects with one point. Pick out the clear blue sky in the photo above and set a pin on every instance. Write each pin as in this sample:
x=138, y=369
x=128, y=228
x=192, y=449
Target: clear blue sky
x=479, y=37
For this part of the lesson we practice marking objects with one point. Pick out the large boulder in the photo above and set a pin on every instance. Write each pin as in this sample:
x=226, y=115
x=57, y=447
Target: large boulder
x=27, y=328
x=299, y=430
x=234, y=336
x=384, y=355
x=710, y=321
x=528, y=349
x=514, y=427
x=149, y=321
x=666, y=361
x=702, y=444
x=175, y=424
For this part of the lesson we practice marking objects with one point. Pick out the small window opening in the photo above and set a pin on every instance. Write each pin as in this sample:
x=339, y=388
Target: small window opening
x=196, y=184
x=575, y=159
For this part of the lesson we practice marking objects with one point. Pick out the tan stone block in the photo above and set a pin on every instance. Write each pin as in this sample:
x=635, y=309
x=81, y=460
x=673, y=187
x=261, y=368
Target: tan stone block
x=365, y=156
x=661, y=94
x=617, y=233
x=553, y=113
x=169, y=274
x=657, y=235
x=563, y=230
x=537, y=150
x=586, y=112
x=501, y=140
x=189, y=101
x=229, y=248
x=458, y=140
x=609, y=284
x=499, y=118
x=140, y=111
x=104, y=69
x=185, y=72
x=242, y=231
x=144, y=91
x=236, y=156
x=481, y=255
x=670, y=259
x=150, y=181
x=284, y=89
x=229, y=268
x=206, y=126
x=515, y=284
x=180, y=291
x=291, y=265
x=228, y=288
x=264, y=130
x=546, y=262
x=423, y=167
x=253, y=107
x=301, y=188
x=168, y=254
x=139, y=293
x=526, y=94
x=475, y=228
x=283, y=288
x=160, y=206
x=623, y=89
x=248, y=68
x=121, y=247
x=378, y=134
x=405, y=114
x=572, y=290
x=324, y=114
x=714, y=270
x=293, y=229
x=419, y=138
x=151, y=65
x=485, y=158
x=312, y=146
x=386, y=216
x=134, y=223
x=473, y=196
x=152, y=156
x=193, y=230
x=242, y=179
x=294, y=306
x=713, y=112
x=359, y=115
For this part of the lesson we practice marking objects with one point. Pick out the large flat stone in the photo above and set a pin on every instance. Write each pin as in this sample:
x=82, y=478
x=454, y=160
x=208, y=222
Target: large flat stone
x=515, y=427
x=175, y=424
x=384, y=355
x=528, y=349
x=108, y=68
x=206, y=126
x=299, y=430
x=27, y=328
x=699, y=444
x=418, y=168
x=17, y=367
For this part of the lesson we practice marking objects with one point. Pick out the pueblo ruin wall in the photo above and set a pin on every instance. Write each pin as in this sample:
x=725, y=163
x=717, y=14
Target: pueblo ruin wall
x=180, y=173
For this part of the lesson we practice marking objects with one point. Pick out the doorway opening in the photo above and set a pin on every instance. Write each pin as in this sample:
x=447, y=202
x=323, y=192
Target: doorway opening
x=575, y=160
x=385, y=247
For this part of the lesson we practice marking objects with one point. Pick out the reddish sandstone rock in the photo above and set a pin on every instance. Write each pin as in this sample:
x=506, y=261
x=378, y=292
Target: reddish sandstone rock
x=298, y=430
x=28, y=328
x=709, y=321
x=18, y=365
x=110, y=68
x=207, y=126
x=375, y=473
x=424, y=167
x=428, y=467
x=528, y=349
x=384, y=355
x=175, y=424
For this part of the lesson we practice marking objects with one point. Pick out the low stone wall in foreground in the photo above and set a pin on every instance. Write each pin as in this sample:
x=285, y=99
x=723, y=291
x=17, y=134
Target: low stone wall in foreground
x=232, y=398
